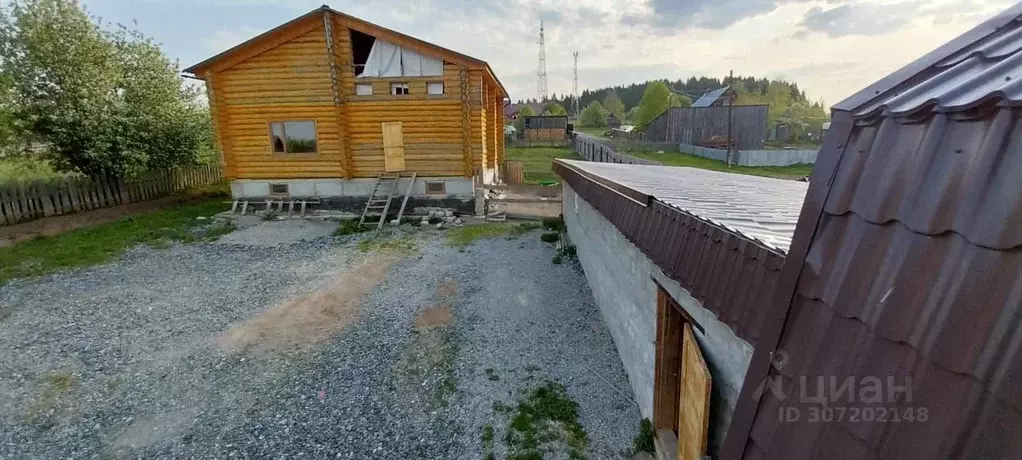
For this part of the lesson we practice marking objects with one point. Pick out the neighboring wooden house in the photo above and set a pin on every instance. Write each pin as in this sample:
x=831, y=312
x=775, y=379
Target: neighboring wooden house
x=322, y=105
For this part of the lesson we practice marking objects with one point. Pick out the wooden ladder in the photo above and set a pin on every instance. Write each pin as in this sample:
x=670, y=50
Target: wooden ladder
x=380, y=198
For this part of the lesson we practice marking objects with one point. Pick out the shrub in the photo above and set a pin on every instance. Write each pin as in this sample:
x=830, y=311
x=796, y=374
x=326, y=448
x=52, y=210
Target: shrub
x=550, y=237
x=556, y=224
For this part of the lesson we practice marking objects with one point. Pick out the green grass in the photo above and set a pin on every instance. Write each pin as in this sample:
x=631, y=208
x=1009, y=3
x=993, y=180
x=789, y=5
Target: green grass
x=461, y=237
x=382, y=242
x=101, y=243
x=693, y=161
x=537, y=162
x=26, y=169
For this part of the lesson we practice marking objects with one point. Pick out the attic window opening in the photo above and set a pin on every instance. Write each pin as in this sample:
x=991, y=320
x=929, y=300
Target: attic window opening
x=293, y=137
x=361, y=45
x=399, y=89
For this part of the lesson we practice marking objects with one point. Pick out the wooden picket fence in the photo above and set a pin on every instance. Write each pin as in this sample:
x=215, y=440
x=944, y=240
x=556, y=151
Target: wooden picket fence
x=25, y=201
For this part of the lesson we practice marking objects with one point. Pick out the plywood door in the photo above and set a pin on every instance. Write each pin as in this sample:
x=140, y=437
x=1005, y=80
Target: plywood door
x=694, y=403
x=393, y=146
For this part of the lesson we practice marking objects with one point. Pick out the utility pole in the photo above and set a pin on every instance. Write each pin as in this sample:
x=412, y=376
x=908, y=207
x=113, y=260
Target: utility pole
x=730, y=112
x=574, y=91
x=541, y=91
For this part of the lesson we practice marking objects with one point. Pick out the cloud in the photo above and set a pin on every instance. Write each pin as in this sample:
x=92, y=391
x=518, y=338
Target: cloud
x=867, y=19
x=225, y=39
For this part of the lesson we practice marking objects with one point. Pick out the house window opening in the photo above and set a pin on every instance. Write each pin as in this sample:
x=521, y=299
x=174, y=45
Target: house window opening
x=293, y=137
x=361, y=45
x=435, y=87
x=399, y=89
x=364, y=89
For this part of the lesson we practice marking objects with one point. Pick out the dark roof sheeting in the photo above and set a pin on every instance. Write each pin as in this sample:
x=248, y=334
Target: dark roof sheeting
x=729, y=273
x=914, y=271
x=709, y=98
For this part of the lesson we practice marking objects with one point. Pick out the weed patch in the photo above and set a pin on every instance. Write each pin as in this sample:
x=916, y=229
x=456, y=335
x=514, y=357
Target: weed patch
x=403, y=245
x=487, y=438
x=98, y=244
x=523, y=228
x=52, y=387
x=550, y=237
x=492, y=374
x=349, y=227
x=461, y=237
x=643, y=441
x=545, y=419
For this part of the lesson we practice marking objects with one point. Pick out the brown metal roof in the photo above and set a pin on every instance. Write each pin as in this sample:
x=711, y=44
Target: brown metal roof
x=728, y=272
x=906, y=265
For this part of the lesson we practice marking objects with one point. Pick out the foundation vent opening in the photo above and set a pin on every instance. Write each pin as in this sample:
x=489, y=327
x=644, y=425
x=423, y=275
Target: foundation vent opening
x=436, y=188
x=279, y=190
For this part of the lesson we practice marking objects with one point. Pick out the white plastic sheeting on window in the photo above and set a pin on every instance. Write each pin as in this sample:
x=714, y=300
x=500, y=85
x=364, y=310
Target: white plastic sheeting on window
x=389, y=60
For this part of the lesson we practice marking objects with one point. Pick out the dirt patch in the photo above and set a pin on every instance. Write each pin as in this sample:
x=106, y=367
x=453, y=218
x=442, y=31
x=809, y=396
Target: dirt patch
x=440, y=314
x=55, y=225
x=312, y=318
x=433, y=317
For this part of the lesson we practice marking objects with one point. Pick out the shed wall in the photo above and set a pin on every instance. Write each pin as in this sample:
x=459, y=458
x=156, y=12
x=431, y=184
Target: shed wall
x=693, y=125
x=624, y=284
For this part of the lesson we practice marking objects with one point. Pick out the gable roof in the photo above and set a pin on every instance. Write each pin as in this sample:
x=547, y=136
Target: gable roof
x=352, y=22
x=709, y=98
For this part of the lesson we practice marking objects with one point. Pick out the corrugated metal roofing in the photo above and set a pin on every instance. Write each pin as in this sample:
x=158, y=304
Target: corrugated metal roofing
x=912, y=273
x=709, y=98
x=760, y=208
x=730, y=274
x=990, y=68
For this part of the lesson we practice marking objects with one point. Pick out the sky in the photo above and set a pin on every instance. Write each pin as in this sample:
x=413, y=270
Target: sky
x=831, y=48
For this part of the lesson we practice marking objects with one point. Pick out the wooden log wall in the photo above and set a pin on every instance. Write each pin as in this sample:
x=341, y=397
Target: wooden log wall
x=290, y=82
x=25, y=201
x=305, y=77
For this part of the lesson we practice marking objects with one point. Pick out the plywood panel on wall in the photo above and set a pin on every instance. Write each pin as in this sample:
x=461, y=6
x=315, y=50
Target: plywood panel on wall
x=694, y=410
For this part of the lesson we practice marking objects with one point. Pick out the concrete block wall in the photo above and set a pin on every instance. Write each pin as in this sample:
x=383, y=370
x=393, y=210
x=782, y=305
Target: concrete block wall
x=455, y=187
x=622, y=281
x=755, y=157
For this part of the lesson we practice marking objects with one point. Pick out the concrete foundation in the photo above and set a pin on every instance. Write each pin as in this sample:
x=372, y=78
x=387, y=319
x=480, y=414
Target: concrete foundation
x=350, y=194
x=622, y=281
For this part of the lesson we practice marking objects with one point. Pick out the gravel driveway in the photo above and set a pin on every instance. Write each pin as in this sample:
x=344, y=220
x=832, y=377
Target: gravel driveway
x=266, y=345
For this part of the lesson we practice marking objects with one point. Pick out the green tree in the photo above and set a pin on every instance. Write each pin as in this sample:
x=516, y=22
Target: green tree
x=553, y=108
x=630, y=116
x=524, y=111
x=105, y=101
x=655, y=100
x=614, y=106
x=594, y=116
x=680, y=100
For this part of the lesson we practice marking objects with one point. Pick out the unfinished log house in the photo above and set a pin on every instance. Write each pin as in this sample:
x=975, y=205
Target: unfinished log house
x=323, y=105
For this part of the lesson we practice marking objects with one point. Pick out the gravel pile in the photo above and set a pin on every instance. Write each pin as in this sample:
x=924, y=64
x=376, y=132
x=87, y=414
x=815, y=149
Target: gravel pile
x=129, y=358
